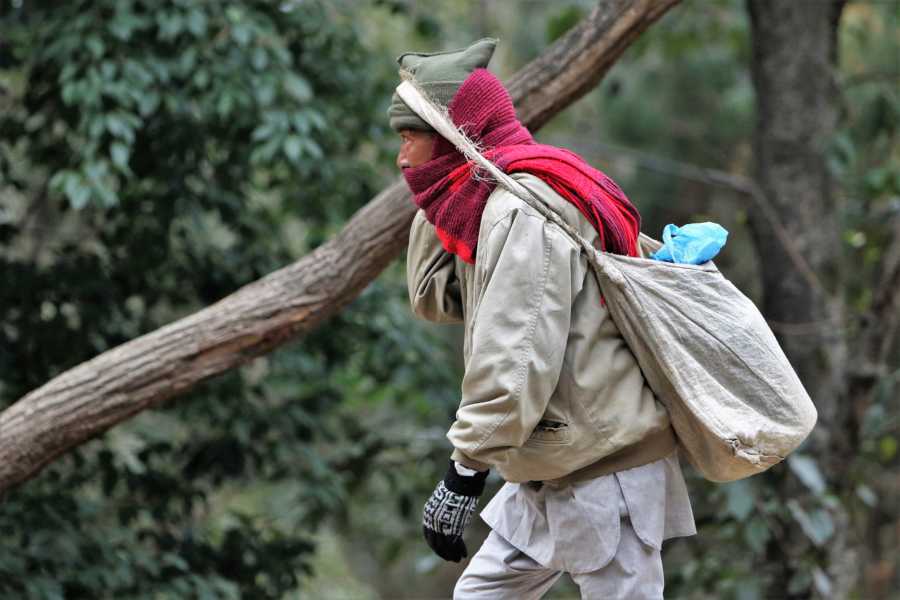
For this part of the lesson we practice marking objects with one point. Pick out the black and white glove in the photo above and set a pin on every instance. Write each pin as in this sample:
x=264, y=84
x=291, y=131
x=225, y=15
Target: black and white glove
x=450, y=509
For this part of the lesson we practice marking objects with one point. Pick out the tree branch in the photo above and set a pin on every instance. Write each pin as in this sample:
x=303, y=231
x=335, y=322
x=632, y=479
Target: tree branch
x=92, y=397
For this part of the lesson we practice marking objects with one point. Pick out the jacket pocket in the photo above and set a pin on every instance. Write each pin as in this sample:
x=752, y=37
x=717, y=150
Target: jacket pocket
x=548, y=432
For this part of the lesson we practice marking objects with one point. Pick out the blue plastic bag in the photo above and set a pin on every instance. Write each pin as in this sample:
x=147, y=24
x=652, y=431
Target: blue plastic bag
x=693, y=244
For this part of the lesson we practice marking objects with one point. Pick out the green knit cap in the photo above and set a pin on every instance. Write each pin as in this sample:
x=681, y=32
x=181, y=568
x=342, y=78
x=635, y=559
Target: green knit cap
x=440, y=75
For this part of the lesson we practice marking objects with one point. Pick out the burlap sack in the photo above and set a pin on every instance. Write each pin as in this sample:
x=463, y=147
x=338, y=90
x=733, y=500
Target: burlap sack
x=708, y=354
x=735, y=402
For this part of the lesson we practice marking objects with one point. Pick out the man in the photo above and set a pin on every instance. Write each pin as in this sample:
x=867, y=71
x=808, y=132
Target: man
x=552, y=398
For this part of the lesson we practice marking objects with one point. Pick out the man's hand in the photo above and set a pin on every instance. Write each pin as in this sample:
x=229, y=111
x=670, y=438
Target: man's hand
x=449, y=510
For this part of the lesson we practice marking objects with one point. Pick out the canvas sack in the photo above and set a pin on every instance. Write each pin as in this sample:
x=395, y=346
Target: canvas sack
x=735, y=402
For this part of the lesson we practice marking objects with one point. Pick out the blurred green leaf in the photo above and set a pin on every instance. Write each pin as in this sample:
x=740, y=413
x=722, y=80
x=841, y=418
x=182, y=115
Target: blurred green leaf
x=865, y=493
x=292, y=147
x=887, y=448
x=817, y=525
x=822, y=583
x=119, y=153
x=757, y=534
x=740, y=496
x=298, y=87
x=807, y=470
x=196, y=22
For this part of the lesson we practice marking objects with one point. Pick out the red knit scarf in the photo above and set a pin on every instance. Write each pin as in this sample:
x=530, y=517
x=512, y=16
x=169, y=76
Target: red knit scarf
x=454, y=200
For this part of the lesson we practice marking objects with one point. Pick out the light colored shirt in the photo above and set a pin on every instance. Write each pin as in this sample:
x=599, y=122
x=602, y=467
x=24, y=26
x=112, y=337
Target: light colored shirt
x=575, y=527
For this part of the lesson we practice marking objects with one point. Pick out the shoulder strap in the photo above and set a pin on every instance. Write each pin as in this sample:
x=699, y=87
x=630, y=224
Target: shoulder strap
x=531, y=199
x=524, y=193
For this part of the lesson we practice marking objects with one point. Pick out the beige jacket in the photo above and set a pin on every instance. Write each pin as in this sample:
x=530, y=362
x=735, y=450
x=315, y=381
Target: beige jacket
x=550, y=390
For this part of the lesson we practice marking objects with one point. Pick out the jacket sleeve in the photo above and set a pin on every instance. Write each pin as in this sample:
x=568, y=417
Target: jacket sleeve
x=524, y=287
x=434, y=291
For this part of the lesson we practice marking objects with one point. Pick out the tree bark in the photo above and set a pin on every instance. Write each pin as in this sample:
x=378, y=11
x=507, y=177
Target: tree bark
x=794, y=71
x=92, y=397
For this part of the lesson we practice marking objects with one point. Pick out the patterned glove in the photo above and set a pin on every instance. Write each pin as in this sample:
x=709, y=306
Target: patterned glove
x=449, y=510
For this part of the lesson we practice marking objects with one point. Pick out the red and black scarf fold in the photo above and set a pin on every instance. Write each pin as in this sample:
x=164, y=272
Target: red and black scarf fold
x=454, y=200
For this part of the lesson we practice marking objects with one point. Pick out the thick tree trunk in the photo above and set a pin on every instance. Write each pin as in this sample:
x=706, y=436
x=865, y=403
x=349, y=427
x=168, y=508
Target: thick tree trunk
x=794, y=47
x=92, y=397
x=794, y=72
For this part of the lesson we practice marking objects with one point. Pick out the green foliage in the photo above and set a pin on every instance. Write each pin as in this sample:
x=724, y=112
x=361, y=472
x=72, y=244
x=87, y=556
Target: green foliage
x=563, y=21
x=865, y=155
x=196, y=65
x=154, y=158
x=684, y=91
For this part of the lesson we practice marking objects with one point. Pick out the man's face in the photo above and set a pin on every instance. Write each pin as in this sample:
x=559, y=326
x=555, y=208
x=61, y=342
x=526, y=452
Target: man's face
x=415, y=148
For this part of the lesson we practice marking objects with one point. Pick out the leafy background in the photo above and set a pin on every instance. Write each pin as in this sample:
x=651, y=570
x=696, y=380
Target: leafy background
x=156, y=156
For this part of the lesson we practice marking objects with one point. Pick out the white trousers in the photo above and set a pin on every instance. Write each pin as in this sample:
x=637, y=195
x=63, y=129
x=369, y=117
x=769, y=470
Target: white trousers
x=499, y=570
